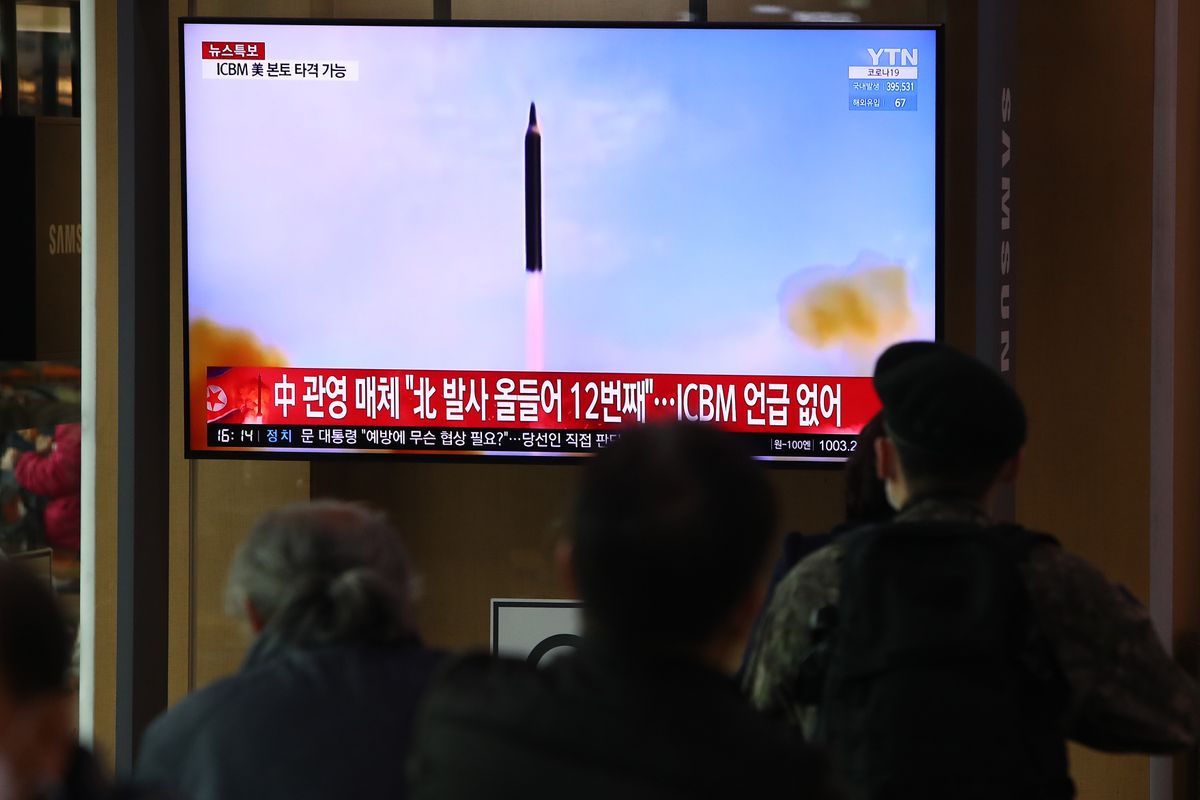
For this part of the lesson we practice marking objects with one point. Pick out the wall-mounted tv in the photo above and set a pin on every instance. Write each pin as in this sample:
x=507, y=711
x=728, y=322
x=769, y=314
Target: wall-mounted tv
x=478, y=239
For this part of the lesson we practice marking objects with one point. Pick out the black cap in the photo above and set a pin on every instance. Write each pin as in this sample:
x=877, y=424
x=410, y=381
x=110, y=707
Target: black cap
x=949, y=405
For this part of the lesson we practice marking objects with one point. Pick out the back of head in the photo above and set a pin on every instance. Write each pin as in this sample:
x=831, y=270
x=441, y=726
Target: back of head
x=953, y=420
x=324, y=572
x=672, y=526
x=35, y=641
x=36, y=720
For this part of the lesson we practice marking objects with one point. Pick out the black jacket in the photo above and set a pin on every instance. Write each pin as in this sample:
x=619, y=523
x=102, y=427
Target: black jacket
x=85, y=780
x=595, y=724
x=328, y=722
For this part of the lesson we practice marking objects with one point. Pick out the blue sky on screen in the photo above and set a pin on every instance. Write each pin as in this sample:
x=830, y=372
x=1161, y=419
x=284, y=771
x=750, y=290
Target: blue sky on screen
x=687, y=175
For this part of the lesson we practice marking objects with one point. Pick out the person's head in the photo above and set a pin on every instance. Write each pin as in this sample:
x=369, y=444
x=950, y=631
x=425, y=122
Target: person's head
x=672, y=531
x=866, y=500
x=36, y=720
x=324, y=572
x=951, y=424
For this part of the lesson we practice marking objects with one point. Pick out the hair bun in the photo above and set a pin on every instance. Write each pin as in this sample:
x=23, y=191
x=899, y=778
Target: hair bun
x=360, y=599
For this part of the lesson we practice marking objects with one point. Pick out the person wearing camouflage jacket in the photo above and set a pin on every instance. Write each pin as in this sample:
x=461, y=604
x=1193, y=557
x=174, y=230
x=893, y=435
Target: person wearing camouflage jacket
x=943, y=656
x=1125, y=693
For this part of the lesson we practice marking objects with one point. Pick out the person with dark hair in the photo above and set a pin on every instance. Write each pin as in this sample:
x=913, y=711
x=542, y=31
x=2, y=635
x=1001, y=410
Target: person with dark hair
x=669, y=549
x=866, y=504
x=866, y=500
x=36, y=731
x=39, y=756
x=942, y=655
x=324, y=704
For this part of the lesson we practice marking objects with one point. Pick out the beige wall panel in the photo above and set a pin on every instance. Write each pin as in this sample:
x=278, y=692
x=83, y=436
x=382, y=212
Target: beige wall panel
x=1083, y=215
x=106, y=344
x=227, y=497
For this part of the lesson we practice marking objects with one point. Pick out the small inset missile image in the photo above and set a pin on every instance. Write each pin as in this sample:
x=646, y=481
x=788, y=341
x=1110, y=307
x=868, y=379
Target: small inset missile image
x=534, y=320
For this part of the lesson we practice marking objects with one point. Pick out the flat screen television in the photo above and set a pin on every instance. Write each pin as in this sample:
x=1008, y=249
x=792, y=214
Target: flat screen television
x=514, y=240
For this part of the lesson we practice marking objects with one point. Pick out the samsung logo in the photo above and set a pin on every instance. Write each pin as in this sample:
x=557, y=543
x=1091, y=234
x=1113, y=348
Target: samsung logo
x=1005, y=230
x=66, y=239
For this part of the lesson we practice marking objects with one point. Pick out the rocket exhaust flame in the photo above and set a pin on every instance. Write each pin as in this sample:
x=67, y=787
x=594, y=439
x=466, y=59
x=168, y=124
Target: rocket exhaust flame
x=535, y=356
x=534, y=301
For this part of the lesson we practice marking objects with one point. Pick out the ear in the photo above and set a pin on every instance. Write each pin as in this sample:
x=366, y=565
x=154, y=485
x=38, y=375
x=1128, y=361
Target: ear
x=1011, y=468
x=564, y=565
x=885, y=459
x=257, y=623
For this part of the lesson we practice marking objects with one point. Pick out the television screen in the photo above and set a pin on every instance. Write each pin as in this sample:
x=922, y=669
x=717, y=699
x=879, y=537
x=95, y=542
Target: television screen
x=516, y=240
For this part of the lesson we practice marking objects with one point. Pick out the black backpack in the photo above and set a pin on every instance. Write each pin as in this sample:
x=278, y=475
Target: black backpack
x=934, y=683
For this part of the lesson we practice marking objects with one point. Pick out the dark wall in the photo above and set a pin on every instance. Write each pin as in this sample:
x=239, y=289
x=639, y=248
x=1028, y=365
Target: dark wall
x=40, y=238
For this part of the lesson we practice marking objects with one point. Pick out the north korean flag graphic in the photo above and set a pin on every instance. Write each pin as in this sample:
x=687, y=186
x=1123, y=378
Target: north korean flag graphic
x=217, y=399
x=233, y=397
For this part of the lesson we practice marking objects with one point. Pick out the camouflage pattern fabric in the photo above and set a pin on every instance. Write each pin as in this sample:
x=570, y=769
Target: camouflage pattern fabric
x=1126, y=694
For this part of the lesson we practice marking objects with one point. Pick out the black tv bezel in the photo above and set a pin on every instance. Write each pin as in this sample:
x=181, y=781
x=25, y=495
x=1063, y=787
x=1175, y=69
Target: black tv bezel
x=204, y=454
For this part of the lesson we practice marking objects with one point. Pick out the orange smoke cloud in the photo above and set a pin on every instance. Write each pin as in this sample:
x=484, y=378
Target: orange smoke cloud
x=859, y=308
x=214, y=345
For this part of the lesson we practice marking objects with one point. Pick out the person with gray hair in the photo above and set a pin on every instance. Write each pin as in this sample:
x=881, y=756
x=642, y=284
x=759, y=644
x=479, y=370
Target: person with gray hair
x=323, y=572
x=323, y=705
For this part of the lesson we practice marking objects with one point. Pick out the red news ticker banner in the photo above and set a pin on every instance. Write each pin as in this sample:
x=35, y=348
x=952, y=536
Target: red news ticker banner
x=250, y=51
x=541, y=400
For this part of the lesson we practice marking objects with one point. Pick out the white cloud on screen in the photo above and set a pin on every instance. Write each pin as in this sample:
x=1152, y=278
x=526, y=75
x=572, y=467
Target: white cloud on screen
x=421, y=179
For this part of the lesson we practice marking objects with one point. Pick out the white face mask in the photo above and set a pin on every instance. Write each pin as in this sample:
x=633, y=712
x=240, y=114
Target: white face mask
x=895, y=496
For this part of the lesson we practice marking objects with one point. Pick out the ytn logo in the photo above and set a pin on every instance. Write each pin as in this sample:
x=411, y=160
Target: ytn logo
x=896, y=56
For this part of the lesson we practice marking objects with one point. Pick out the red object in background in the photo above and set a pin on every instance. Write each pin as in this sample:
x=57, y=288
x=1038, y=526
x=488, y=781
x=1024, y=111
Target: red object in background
x=248, y=51
x=55, y=476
